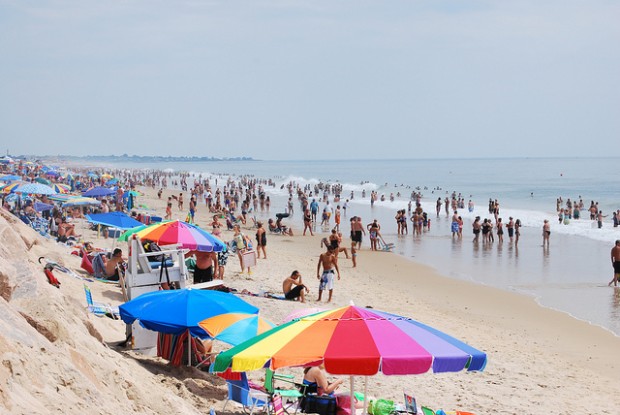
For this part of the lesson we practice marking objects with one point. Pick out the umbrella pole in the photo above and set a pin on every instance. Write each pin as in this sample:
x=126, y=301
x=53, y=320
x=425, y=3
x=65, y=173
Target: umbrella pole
x=365, y=394
x=351, y=380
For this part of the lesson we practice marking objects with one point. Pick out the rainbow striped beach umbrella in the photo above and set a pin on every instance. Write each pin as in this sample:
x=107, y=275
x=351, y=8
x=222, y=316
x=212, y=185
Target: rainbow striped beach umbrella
x=61, y=187
x=185, y=234
x=354, y=341
x=384, y=342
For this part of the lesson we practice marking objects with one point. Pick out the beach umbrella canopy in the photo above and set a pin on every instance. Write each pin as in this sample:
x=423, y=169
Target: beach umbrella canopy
x=42, y=180
x=175, y=311
x=30, y=188
x=42, y=207
x=384, y=342
x=106, y=176
x=127, y=234
x=115, y=219
x=185, y=234
x=61, y=187
x=302, y=312
x=98, y=191
x=235, y=328
x=81, y=201
x=10, y=178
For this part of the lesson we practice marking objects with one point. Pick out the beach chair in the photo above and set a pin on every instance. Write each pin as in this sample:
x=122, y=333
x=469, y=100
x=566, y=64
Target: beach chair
x=250, y=398
x=292, y=396
x=410, y=404
x=387, y=247
x=100, y=309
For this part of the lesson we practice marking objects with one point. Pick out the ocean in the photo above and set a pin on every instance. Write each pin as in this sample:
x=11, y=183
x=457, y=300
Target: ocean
x=571, y=276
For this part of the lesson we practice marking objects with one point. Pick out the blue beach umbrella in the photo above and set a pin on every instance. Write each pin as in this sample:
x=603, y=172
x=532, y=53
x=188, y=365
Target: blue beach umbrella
x=34, y=189
x=10, y=178
x=175, y=311
x=98, y=191
x=115, y=219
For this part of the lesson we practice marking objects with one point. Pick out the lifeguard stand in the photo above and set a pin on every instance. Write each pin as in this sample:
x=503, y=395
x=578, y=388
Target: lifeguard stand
x=142, y=277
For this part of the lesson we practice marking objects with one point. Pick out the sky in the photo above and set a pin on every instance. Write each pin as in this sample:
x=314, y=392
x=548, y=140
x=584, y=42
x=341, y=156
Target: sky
x=295, y=80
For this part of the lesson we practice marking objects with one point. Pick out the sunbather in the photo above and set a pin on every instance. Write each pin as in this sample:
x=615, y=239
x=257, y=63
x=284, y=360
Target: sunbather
x=111, y=269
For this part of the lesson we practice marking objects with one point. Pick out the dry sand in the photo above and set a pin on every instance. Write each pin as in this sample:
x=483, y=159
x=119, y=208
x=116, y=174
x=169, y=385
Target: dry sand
x=57, y=358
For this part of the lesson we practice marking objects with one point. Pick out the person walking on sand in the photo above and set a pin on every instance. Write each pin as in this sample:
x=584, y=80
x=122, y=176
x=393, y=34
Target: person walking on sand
x=615, y=263
x=546, y=232
x=261, y=240
x=326, y=280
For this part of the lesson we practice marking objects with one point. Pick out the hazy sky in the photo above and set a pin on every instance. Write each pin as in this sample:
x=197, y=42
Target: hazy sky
x=310, y=79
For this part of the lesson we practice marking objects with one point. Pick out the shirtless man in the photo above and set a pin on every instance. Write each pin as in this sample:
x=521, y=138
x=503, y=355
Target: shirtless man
x=455, y=224
x=294, y=288
x=206, y=266
x=111, y=272
x=329, y=262
x=511, y=228
x=615, y=263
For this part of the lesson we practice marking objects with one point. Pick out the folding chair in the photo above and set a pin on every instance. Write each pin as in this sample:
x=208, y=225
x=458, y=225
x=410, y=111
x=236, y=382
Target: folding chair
x=410, y=404
x=239, y=391
x=292, y=396
x=100, y=309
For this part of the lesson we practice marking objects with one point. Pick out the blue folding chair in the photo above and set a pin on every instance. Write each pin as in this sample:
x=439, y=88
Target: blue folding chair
x=239, y=391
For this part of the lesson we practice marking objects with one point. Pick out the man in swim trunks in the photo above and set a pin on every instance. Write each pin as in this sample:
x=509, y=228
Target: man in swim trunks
x=330, y=263
x=206, y=266
x=615, y=263
x=294, y=288
x=455, y=224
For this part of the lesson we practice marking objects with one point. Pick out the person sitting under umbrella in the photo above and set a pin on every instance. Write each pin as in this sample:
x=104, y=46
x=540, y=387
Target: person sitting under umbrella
x=316, y=381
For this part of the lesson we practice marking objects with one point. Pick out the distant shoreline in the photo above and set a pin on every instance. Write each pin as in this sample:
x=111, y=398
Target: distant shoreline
x=138, y=159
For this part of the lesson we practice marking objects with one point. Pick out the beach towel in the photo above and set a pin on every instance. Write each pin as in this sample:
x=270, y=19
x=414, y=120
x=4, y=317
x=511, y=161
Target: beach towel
x=98, y=266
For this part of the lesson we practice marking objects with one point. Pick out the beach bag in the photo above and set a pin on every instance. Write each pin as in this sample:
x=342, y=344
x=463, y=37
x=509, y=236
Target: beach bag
x=381, y=407
x=153, y=247
x=248, y=258
x=322, y=405
x=98, y=266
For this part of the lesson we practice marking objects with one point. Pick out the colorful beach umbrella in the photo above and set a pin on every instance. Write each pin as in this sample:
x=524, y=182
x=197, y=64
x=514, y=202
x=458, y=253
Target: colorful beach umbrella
x=29, y=188
x=115, y=219
x=61, y=187
x=383, y=342
x=175, y=311
x=235, y=328
x=187, y=235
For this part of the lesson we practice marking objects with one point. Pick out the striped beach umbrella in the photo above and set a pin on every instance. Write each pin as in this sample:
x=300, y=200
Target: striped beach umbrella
x=384, y=342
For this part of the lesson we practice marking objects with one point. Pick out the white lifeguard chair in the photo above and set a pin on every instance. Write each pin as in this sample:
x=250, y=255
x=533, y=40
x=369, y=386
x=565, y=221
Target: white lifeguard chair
x=142, y=277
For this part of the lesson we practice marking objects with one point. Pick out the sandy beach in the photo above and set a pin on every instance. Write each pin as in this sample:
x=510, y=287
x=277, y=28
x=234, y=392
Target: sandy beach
x=58, y=358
